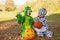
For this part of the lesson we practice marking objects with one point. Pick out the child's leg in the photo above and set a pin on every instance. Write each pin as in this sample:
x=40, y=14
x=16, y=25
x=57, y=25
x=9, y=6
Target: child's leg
x=40, y=34
x=48, y=33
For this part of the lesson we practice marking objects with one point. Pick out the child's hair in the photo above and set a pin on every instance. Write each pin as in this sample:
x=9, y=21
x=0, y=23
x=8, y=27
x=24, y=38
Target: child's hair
x=43, y=11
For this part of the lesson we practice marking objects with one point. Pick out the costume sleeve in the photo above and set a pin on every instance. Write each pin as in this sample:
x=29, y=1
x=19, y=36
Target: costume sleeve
x=45, y=23
x=23, y=19
x=36, y=19
x=19, y=18
x=32, y=21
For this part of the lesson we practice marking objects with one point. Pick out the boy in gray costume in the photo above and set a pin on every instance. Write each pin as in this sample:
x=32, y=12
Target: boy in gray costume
x=44, y=30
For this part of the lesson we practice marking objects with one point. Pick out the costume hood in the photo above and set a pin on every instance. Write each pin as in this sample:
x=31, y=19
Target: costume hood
x=26, y=10
x=43, y=11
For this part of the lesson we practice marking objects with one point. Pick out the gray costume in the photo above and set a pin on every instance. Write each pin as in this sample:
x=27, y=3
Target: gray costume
x=44, y=30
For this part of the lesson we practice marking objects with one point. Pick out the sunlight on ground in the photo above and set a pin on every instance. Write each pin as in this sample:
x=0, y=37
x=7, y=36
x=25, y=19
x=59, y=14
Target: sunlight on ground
x=4, y=28
x=12, y=15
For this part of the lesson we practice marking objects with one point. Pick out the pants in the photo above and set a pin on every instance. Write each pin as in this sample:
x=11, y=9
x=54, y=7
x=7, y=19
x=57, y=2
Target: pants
x=46, y=33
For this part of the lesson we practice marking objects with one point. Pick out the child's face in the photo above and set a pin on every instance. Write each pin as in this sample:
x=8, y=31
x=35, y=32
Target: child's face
x=40, y=14
x=29, y=12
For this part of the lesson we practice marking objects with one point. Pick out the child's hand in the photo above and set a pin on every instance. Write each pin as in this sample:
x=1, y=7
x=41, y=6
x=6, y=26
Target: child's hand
x=38, y=19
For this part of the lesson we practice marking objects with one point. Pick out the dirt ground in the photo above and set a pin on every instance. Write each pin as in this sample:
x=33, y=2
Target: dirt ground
x=10, y=30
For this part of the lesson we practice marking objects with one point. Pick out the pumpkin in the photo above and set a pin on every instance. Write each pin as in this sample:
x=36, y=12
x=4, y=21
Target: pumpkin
x=29, y=34
x=38, y=24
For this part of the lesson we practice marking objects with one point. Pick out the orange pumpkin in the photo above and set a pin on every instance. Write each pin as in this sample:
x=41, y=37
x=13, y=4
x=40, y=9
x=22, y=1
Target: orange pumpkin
x=29, y=34
x=38, y=24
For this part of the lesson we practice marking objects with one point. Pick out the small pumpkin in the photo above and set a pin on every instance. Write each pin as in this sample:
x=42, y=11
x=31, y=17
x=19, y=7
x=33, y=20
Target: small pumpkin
x=29, y=34
x=38, y=24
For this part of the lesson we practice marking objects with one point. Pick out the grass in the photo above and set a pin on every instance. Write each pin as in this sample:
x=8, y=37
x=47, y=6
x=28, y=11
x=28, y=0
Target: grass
x=4, y=16
x=54, y=17
x=54, y=25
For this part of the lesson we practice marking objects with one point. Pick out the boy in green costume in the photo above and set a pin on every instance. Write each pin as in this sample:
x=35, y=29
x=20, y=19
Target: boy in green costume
x=26, y=20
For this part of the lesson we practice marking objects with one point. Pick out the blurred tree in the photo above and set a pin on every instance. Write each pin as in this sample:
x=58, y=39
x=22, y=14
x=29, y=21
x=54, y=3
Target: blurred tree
x=9, y=5
x=2, y=7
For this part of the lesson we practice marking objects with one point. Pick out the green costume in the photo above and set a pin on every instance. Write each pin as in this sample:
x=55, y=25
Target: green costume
x=19, y=18
x=27, y=21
